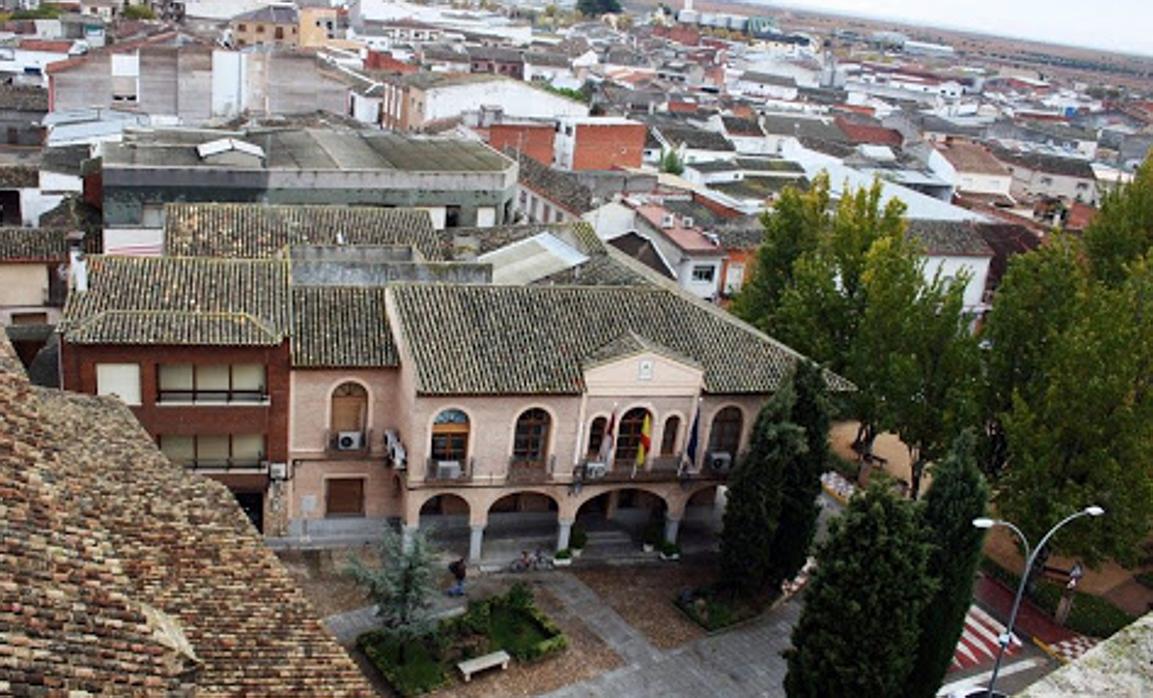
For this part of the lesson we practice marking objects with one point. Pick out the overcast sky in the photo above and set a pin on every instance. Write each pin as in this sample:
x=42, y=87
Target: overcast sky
x=1122, y=25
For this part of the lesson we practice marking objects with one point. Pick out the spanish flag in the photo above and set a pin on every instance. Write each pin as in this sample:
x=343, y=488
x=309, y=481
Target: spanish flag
x=646, y=441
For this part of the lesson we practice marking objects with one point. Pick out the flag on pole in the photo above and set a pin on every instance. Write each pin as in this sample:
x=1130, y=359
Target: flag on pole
x=607, y=441
x=691, y=448
x=646, y=441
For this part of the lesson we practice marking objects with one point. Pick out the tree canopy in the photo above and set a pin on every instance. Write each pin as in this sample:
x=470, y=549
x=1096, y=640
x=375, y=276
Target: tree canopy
x=596, y=8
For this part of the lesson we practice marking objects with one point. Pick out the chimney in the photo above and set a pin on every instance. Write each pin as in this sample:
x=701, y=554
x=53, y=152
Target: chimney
x=77, y=263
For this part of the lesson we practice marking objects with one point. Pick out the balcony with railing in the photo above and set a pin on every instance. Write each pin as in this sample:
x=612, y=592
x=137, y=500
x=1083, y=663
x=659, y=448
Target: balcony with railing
x=667, y=468
x=531, y=470
x=449, y=471
x=347, y=444
x=227, y=465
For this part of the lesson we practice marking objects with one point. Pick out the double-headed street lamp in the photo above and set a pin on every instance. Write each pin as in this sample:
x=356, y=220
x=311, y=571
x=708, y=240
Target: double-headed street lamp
x=1030, y=558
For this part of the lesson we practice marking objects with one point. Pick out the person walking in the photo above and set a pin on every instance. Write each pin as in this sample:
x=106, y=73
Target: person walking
x=459, y=572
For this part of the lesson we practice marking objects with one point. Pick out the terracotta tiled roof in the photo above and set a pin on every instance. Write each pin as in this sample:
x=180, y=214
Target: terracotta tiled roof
x=33, y=245
x=19, y=177
x=1050, y=164
x=533, y=339
x=123, y=574
x=257, y=230
x=180, y=300
x=341, y=327
x=953, y=238
x=560, y=187
x=966, y=156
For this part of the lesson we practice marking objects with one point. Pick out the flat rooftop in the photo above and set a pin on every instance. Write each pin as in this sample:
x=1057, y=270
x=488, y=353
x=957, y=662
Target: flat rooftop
x=301, y=149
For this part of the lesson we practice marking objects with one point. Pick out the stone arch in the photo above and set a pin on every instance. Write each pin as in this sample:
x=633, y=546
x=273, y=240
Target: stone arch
x=732, y=422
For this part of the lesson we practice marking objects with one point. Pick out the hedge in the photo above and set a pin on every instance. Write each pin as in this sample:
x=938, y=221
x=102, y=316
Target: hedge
x=1091, y=615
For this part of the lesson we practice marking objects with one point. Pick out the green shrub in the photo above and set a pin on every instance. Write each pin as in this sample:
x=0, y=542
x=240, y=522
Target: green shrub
x=519, y=596
x=579, y=538
x=564, y=554
x=669, y=548
x=421, y=671
x=714, y=608
x=1145, y=579
x=849, y=469
x=1091, y=615
x=138, y=12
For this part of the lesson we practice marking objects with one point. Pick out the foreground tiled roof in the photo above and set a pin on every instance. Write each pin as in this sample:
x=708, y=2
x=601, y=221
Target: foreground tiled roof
x=258, y=230
x=531, y=340
x=180, y=300
x=1041, y=162
x=341, y=327
x=126, y=575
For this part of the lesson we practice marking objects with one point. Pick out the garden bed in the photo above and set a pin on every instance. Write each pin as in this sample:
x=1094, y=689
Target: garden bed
x=1091, y=615
x=644, y=596
x=714, y=608
x=510, y=622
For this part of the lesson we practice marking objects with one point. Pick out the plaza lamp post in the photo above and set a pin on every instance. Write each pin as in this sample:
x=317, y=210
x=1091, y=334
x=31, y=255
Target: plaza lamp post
x=1030, y=558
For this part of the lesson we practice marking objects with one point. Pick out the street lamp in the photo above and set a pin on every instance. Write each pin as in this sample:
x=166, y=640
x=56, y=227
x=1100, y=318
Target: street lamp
x=1030, y=558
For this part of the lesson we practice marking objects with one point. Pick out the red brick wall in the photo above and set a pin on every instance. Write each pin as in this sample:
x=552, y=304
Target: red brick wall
x=608, y=147
x=78, y=366
x=534, y=140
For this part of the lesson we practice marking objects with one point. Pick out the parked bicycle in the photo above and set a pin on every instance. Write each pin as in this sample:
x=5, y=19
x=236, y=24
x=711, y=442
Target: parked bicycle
x=538, y=560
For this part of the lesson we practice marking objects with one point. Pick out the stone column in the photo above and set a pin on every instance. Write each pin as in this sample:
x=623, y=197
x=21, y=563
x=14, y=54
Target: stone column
x=672, y=525
x=563, y=533
x=611, y=507
x=406, y=533
x=475, y=541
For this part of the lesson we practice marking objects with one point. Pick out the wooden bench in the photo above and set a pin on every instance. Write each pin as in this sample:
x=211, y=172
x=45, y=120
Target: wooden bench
x=469, y=667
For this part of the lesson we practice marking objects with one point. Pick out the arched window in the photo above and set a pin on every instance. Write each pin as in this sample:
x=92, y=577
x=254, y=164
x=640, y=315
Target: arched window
x=450, y=436
x=596, y=436
x=348, y=417
x=629, y=435
x=669, y=436
x=725, y=436
x=530, y=441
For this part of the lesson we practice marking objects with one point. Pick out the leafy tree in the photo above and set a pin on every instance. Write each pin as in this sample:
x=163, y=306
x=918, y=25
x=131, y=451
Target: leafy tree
x=932, y=377
x=402, y=586
x=671, y=163
x=959, y=495
x=822, y=312
x=596, y=8
x=1083, y=436
x=793, y=228
x=859, y=630
x=801, y=479
x=1035, y=304
x=1123, y=230
x=754, y=499
x=138, y=12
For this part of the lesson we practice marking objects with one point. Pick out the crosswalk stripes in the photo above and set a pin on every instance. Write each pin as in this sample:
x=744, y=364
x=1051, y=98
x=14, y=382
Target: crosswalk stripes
x=979, y=640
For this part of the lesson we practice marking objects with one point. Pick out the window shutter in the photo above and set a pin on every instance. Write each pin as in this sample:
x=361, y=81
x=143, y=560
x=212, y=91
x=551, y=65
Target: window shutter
x=345, y=497
x=120, y=380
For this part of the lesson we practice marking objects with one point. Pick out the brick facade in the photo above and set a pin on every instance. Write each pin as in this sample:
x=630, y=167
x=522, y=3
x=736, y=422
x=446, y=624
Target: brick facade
x=607, y=147
x=533, y=140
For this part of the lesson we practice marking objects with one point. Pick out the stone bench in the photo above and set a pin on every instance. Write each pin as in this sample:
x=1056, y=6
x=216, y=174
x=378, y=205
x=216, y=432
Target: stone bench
x=469, y=667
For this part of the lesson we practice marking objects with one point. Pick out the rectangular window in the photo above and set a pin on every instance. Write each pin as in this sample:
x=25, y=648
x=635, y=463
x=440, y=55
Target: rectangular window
x=152, y=216
x=217, y=451
x=119, y=380
x=344, y=497
x=214, y=383
x=704, y=273
x=734, y=277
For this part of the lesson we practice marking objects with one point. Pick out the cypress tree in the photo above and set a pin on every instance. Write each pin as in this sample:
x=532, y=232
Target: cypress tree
x=754, y=499
x=801, y=480
x=859, y=630
x=958, y=495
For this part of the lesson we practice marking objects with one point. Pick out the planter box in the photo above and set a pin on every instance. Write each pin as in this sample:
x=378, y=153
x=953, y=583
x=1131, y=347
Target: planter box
x=674, y=557
x=576, y=552
x=562, y=561
x=648, y=548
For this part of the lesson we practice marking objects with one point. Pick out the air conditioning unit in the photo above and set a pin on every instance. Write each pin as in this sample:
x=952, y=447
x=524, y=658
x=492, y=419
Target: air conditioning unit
x=687, y=222
x=399, y=457
x=278, y=471
x=720, y=461
x=447, y=469
x=350, y=440
x=668, y=221
x=595, y=469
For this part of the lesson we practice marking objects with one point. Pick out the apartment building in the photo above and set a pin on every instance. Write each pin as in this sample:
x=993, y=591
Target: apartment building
x=599, y=143
x=271, y=25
